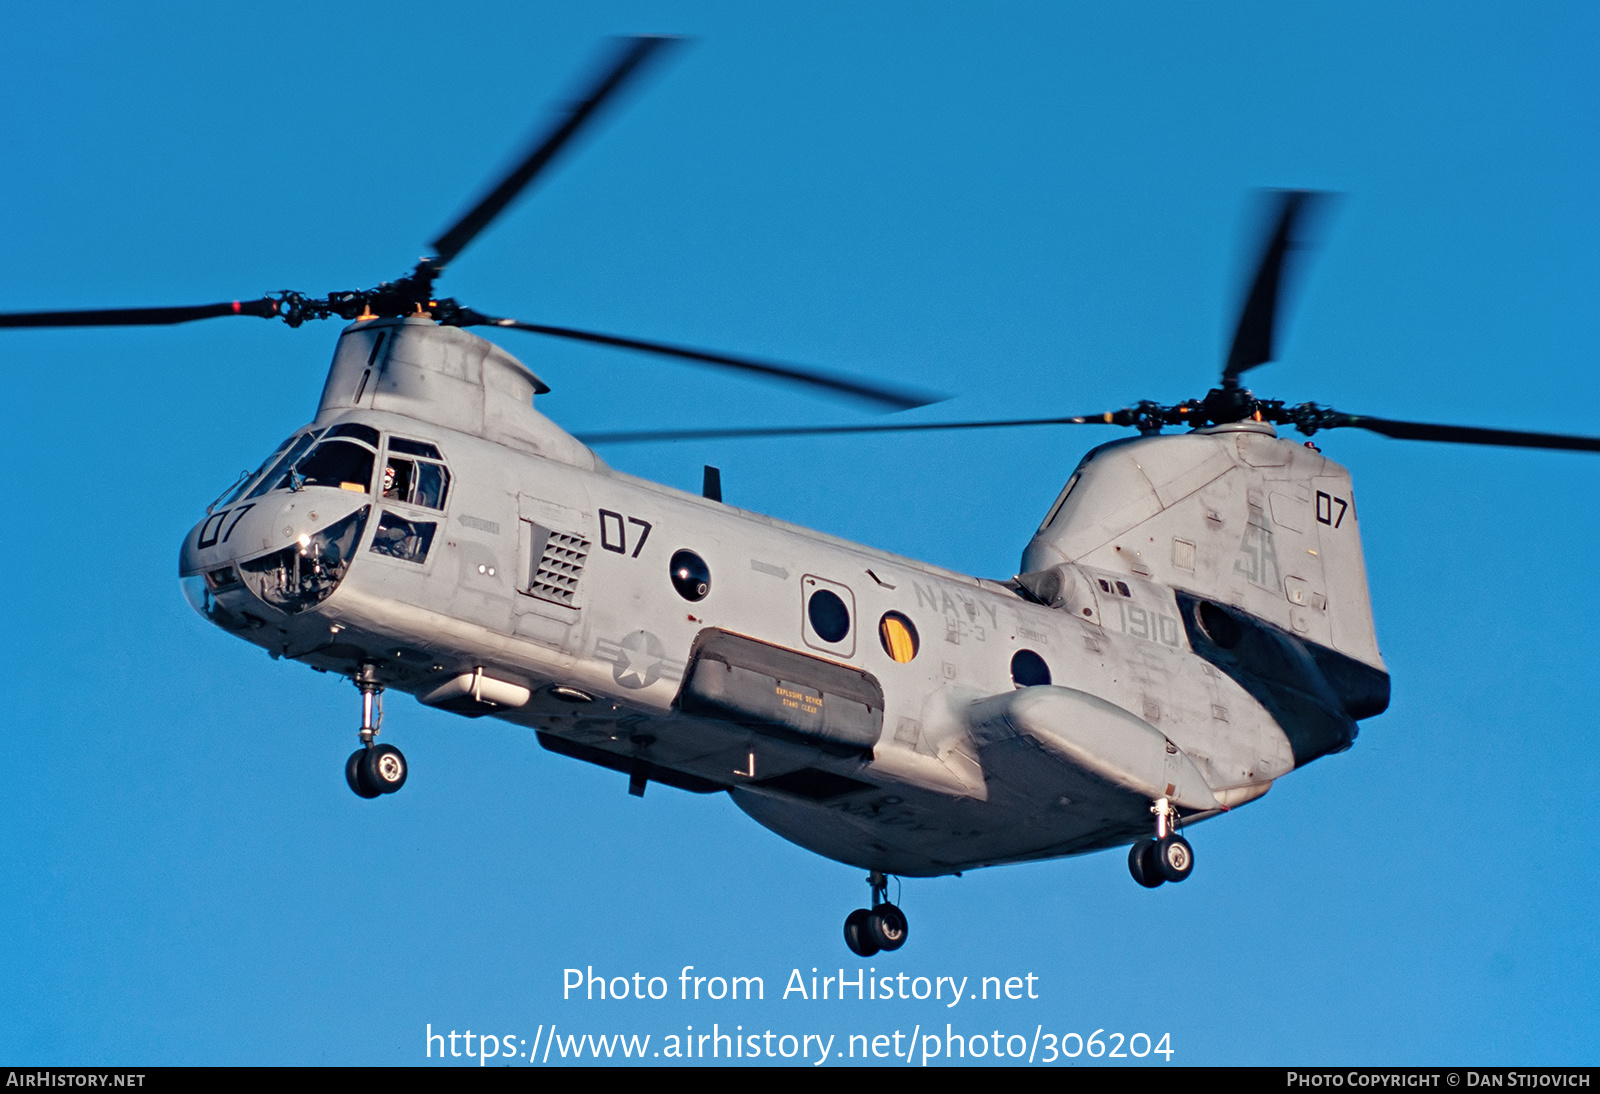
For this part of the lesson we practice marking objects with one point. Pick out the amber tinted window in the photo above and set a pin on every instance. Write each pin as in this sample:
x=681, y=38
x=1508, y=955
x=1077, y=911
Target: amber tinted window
x=899, y=636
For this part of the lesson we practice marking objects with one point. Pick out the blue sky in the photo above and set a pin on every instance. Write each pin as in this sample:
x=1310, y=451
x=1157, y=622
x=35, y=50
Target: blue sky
x=1040, y=208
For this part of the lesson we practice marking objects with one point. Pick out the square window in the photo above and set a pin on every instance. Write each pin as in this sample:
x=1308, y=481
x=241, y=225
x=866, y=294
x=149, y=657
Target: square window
x=401, y=538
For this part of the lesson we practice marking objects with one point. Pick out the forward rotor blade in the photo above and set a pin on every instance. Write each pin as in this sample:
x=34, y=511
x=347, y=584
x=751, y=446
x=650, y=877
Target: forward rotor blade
x=640, y=436
x=633, y=52
x=1254, y=336
x=880, y=394
x=264, y=308
x=1461, y=434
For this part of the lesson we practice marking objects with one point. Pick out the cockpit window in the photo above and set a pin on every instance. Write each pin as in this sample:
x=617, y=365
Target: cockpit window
x=414, y=448
x=357, y=430
x=277, y=476
x=344, y=464
x=398, y=537
x=234, y=494
x=415, y=478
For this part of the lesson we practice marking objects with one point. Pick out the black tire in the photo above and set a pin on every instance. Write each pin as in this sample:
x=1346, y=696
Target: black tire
x=887, y=926
x=384, y=769
x=1142, y=864
x=1174, y=858
x=352, y=775
x=856, y=934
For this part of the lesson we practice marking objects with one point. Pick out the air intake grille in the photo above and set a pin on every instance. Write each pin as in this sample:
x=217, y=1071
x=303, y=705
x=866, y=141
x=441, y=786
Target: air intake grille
x=556, y=577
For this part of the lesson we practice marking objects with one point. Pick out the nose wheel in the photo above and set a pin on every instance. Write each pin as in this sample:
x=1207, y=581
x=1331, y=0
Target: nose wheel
x=373, y=769
x=882, y=927
x=1167, y=857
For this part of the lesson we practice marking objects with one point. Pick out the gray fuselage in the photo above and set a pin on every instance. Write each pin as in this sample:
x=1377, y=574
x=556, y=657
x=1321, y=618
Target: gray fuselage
x=912, y=734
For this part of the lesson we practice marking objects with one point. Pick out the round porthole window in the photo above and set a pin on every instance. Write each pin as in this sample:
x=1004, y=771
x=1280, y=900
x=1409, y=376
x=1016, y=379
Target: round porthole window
x=898, y=635
x=690, y=575
x=1028, y=669
x=829, y=616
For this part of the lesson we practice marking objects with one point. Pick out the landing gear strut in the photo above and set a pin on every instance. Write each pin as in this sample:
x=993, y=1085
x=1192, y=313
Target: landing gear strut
x=881, y=927
x=373, y=769
x=1167, y=857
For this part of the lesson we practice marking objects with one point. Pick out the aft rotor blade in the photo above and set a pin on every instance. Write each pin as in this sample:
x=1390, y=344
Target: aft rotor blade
x=264, y=308
x=1253, y=339
x=639, y=436
x=633, y=53
x=1461, y=434
x=896, y=398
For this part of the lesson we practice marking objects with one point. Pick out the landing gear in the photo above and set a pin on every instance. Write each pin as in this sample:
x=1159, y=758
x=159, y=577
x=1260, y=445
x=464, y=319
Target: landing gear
x=1167, y=857
x=373, y=769
x=380, y=769
x=856, y=935
x=1174, y=858
x=882, y=927
x=1141, y=863
x=887, y=927
x=353, y=775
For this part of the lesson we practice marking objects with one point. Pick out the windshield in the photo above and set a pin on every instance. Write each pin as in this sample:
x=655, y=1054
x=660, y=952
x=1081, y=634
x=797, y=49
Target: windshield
x=344, y=464
x=277, y=475
x=238, y=488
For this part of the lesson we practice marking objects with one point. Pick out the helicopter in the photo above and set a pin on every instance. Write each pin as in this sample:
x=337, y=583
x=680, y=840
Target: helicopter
x=1190, y=622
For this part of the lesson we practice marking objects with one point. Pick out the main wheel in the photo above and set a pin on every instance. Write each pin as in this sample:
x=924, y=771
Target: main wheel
x=1142, y=864
x=1174, y=858
x=352, y=775
x=887, y=926
x=856, y=934
x=383, y=769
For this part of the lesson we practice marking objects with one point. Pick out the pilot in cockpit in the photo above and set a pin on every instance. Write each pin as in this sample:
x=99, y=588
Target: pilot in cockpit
x=397, y=476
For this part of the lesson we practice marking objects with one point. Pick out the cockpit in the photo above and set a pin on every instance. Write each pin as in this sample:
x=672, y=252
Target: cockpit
x=411, y=482
x=414, y=472
x=343, y=457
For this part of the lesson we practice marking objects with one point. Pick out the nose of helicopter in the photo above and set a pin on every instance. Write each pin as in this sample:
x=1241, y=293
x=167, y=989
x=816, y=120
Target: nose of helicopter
x=285, y=551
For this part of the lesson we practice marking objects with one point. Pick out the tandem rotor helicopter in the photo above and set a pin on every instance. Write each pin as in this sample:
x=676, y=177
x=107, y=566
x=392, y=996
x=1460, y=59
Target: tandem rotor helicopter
x=1190, y=622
